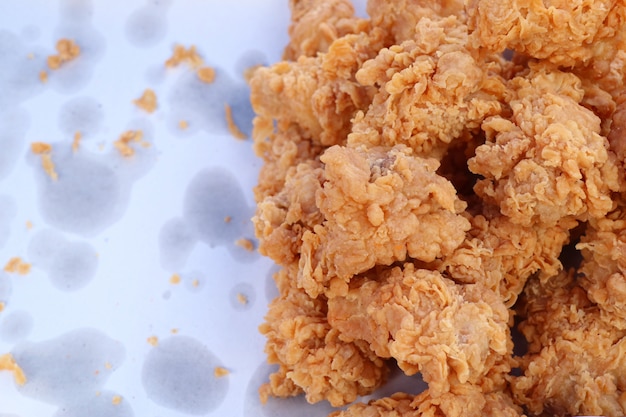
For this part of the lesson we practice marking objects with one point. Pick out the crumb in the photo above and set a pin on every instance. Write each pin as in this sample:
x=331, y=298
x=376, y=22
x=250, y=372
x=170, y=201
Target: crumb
x=48, y=166
x=206, y=74
x=153, y=340
x=245, y=243
x=148, y=101
x=183, y=124
x=17, y=266
x=116, y=400
x=7, y=363
x=227, y=219
x=30, y=56
x=67, y=50
x=174, y=331
x=180, y=55
x=108, y=365
x=195, y=283
x=43, y=76
x=76, y=143
x=40, y=148
x=175, y=279
x=242, y=298
x=232, y=127
x=220, y=372
x=126, y=138
x=44, y=149
x=98, y=393
x=29, y=224
x=2, y=306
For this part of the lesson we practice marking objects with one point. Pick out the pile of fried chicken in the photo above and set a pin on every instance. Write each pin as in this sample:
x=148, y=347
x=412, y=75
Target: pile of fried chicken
x=437, y=177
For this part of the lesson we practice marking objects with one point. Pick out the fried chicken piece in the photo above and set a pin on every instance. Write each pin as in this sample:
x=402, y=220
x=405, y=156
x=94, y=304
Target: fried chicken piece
x=281, y=220
x=548, y=161
x=502, y=255
x=574, y=364
x=282, y=147
x=603, y=267
x=559, y=31
x=380, y=206
x=318, y=93
x=311, y=356
x=399, y=18
x=453, y=334
x=462, y=401
x=316, y=24
x=431, y=90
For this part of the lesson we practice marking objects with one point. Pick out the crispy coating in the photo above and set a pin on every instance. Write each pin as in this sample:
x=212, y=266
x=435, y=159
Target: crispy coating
x=603, y=268
x=548, y=161
x=318, y=93
x=463, y=401
x=378, y=204
x=316, y=24
x=311, y=356
x=431, y=90
x=453, y=334
x=502, y=255
x=559, y=31
x=574, y=364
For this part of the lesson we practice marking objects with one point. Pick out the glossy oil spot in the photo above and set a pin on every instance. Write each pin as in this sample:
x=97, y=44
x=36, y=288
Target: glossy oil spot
x=13, y=126
x=7, y=214
x=70, y=265
x=178, y=374
x=81, y=114
x=104, y=404
x=147, y=25
x=176, y=241
x=69, y=367
x=16, y=326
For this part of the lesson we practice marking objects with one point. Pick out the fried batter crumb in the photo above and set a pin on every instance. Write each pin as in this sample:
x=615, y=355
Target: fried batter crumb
x=147, y=101
x=232, y=127
x=195, y=283
x=126, y=138
x=29, y=224
x=43, y=76
x=67, y=50
x=117, y=400
x=7, y=363
x=76, y=142
x=242, y=298
x=17, y=266
x=220, y=372
x=2, y=305
x=39, y=148
x=174, y=331
x=153, y=340
x=175, y=279
x=206, y=74
x=182, y=55
x=245, y=243
x=227, y=219
x=183, y=124
x=108, y=365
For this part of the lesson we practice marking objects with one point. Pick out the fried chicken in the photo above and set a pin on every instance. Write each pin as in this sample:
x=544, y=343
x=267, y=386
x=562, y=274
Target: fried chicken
x=562, y=32
x=316, y=24
x=603, y=267
x=502, y=255
x=431, y=90
x=463, y=401
x=574, y=364
x=378, y=205
x=548, y=161
x=453, y=334
x=311, y=356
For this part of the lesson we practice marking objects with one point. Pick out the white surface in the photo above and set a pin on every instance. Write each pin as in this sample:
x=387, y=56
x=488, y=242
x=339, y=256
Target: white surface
x=117, y=270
